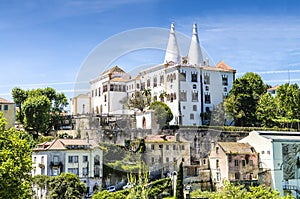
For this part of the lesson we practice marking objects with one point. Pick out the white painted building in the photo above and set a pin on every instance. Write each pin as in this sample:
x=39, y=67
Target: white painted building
x=188, y=85
x=80, y=104
x=108, y=90
x=82, y=157
x=279, y=154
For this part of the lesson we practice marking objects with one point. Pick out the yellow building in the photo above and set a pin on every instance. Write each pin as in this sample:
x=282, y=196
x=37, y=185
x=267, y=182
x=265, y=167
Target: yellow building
x=8, y=109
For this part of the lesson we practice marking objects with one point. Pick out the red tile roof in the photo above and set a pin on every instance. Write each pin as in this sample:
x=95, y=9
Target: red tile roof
x=115, y=69
x=5, y=101
x=273, y=88
x=236, y=148
x=221, y=66
x=64, y=144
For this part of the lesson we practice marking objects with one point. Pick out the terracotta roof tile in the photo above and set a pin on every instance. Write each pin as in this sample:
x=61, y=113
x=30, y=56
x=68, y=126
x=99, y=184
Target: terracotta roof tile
x=273, y=88
x=236, y=147
x=5, y=101
x=116, y=69
x=221, y=66
x=61, y=144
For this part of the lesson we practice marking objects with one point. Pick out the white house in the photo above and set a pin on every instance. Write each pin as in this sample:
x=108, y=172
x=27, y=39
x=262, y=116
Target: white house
x=80, y=104
x=82, y=157
x=189, y=85
x=280, y=154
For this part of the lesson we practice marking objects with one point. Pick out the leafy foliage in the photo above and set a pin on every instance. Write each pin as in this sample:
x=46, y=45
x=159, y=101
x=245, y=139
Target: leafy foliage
x=160, y=187
x=15, y=163
x=243, y=99
x=19, y=97
x=143, y=189
x=39, y=109
x=288, y=104
x=266, y=110
x=140, y=100
x=36, y=113
x=162, y=112
x=66, y=186
x=232, y=191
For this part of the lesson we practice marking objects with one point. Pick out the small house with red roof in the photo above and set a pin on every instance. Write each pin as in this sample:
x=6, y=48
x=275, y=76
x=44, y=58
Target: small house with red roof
x=235, y=162
x=82, y=157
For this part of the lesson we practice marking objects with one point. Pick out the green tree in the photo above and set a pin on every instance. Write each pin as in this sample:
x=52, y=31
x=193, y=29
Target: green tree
x=288, y=101
x=40, y=182
x=162, y=112
x=232, y=191
x=66, y=186
x=179, y=182
x=243, y=99
x=58, y=102
x=19, y=96
x=266, y=110
x=140, y=100
x=36, y=114
x=15, y=163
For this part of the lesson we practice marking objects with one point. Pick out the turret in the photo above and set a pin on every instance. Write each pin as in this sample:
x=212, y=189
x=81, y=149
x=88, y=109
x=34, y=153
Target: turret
x=172, y=52
x=195, y=53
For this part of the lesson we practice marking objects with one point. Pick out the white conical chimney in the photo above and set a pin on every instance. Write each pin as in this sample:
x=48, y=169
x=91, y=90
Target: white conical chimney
x=172, y=52
x=195, y=53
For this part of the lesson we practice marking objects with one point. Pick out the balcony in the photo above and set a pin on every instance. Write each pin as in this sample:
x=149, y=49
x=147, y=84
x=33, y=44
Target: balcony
x=56, y=164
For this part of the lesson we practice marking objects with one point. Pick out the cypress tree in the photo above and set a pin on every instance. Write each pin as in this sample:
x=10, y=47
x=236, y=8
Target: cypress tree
x=179, y=183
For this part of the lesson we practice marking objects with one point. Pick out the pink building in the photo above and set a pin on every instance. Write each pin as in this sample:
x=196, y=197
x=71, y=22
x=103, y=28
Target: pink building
x=235, y=162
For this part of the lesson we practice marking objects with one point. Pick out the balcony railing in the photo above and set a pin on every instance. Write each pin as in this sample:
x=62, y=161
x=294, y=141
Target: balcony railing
x=291, y=187
x=56, y=164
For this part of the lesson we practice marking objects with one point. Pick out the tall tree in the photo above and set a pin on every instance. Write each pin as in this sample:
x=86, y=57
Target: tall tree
x=243, y=99
x=15, y=163
x=19, y=96
x=288, y=101
x=266, y=110
x=162, y=112
x=179, y=182
x=36, y=114
x=58, y=102
x=66, y=186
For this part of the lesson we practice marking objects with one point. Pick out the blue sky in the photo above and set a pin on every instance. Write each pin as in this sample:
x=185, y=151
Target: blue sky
x=45, y=43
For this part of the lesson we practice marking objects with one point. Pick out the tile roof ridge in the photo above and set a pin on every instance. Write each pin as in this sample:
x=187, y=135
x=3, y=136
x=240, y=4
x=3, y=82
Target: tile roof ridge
x=52, y=143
